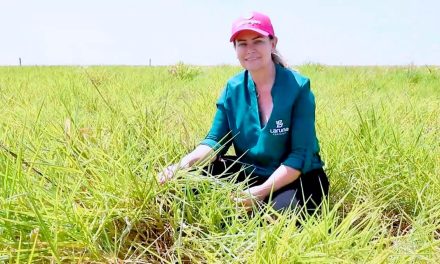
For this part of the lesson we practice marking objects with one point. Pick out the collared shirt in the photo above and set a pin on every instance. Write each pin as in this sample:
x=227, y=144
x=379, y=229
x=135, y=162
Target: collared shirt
x=288, y=138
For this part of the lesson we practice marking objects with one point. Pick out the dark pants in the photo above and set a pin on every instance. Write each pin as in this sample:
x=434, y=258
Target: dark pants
x=307, y=191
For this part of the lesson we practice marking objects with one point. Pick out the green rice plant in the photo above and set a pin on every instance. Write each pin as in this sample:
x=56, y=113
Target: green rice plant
x=182, y=71
x=80, y=149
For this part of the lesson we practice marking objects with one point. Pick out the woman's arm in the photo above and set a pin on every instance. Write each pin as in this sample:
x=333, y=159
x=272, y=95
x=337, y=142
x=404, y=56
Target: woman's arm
x=199, y=154
x=303, y=132
x=279, y=178
x=218, y=137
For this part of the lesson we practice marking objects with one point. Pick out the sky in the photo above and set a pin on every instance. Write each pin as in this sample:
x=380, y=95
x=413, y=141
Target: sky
x=133, y=32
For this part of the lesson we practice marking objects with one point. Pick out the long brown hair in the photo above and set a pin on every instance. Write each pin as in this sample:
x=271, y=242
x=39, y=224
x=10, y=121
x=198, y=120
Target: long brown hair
x=277, y=58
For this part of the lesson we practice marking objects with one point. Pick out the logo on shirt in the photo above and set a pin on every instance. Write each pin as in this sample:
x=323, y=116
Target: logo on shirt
x=279, y=123
x=280, y=130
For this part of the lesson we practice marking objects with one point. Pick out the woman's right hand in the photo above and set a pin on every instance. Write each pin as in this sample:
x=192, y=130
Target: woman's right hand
x=167, y=173
x=201, y=152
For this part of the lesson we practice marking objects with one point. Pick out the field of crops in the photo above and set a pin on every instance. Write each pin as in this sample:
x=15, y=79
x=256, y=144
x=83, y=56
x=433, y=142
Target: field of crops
x=80, y=149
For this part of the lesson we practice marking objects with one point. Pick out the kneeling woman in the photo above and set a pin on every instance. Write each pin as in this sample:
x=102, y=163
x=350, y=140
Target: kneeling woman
x=268, y=113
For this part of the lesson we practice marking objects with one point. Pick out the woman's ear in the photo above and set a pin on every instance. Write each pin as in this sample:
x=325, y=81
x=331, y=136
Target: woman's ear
x=274, y=43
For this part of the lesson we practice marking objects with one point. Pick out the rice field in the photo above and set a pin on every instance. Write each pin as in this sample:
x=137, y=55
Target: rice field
x=80, y=148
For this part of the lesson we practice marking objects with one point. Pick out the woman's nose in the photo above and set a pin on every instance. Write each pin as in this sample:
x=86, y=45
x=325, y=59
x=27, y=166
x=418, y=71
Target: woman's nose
x=251, y=49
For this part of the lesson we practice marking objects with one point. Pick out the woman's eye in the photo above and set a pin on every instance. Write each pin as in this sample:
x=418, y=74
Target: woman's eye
x=241, y=44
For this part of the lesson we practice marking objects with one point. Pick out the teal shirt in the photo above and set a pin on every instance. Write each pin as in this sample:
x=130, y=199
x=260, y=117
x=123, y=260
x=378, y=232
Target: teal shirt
x=288, y=138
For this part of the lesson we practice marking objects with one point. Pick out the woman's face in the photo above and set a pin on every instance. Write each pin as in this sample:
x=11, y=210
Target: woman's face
x=254, y=50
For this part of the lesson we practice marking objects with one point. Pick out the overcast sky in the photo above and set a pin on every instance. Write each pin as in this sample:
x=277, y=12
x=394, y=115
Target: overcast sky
x=339, y=32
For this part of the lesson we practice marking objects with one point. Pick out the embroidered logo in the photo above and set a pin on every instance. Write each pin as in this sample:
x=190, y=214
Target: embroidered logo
x=280, y=130
x=251, y=22
x=279, y=123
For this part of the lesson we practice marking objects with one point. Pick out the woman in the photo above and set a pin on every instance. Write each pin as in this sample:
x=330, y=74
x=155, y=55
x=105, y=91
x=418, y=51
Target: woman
x=268, y=113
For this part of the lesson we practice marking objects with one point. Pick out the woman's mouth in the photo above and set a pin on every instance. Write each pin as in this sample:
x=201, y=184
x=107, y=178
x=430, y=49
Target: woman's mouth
x=251, y=59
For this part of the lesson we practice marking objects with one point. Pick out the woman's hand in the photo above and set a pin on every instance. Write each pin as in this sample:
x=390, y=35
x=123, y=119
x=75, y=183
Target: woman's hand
x=167, y=173
x=281, y=177
x=250, y=196
x=198, y=154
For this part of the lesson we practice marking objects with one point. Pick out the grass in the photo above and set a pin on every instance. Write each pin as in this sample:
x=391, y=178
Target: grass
x=80, y=149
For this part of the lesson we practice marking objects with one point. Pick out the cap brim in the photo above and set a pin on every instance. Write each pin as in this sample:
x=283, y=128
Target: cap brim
x=259, y=31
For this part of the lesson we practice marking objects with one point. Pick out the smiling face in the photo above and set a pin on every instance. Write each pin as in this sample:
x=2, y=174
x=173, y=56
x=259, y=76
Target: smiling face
x=254, y=50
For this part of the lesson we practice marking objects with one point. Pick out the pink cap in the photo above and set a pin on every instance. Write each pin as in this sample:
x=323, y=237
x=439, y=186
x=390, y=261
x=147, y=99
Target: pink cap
x=256, y=22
